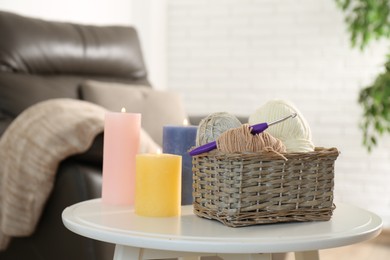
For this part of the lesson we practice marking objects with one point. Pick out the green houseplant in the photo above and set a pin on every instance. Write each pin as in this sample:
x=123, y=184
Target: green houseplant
x=369, y=20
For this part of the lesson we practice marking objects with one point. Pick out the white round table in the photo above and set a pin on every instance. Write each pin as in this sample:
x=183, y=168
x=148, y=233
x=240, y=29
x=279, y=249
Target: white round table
x=138, y=237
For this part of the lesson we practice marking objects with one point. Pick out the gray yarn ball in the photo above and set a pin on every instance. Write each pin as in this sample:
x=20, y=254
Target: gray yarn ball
x=212, y=126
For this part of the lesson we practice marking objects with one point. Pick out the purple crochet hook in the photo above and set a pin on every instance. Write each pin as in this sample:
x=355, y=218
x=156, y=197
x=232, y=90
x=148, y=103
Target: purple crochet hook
x=256, y=129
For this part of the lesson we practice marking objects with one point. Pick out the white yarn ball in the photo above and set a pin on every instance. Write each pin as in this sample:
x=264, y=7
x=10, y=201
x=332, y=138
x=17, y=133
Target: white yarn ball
x=295, y=132
x=212, y=126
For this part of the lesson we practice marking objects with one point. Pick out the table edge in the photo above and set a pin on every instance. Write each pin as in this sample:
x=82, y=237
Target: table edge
x=210, y=246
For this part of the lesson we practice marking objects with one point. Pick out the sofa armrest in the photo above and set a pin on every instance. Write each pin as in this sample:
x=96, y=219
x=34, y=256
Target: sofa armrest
x=74, y=182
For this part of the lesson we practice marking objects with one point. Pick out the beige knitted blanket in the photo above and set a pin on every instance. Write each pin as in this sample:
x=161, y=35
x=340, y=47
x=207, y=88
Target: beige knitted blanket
x=30, y=151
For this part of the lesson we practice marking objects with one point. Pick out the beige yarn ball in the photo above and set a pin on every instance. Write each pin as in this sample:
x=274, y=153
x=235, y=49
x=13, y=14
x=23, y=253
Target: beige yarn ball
x=295, y=133
x=238, y=140
x=212, y=126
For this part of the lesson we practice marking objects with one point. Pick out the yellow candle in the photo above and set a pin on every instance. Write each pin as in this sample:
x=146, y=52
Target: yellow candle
x=158, y=185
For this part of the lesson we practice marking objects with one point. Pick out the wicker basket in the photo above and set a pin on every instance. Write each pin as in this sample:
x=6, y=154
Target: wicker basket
x=245, y=189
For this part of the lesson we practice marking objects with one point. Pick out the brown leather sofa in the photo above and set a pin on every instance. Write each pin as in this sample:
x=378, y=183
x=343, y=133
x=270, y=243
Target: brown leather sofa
x=42, y=60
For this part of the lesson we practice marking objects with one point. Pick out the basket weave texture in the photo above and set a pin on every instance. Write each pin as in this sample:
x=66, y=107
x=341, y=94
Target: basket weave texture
x=243, y=189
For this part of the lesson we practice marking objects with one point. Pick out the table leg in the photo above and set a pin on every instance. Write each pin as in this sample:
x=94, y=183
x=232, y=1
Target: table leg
x=134, y=253
x=245, y=256
x=127, y=253
x=307, y=255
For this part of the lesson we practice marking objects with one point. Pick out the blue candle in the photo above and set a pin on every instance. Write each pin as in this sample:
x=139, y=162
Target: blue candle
x=178, y=140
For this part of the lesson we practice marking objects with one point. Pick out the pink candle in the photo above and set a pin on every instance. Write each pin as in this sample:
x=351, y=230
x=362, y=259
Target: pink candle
x=121, y=143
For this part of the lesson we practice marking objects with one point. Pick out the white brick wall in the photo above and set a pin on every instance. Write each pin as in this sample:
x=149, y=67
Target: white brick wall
x=234, y=55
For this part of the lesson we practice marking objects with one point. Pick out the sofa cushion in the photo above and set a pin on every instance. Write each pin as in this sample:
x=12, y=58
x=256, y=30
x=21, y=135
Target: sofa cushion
x=158, y=108
x=5, y=121
x=20, y=91
x=41, y=60
x=35, y=46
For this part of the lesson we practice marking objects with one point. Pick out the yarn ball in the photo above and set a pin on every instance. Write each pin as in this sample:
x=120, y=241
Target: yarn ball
x=242, y=140
x=295, y=132
x=212, y=126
